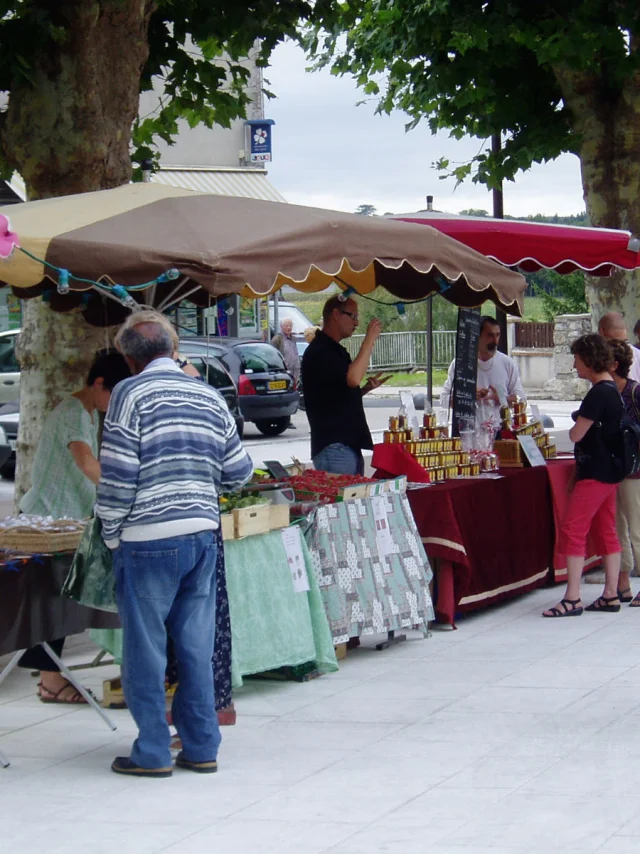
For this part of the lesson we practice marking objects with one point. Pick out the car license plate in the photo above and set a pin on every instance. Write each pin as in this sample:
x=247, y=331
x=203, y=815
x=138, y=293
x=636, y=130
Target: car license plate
x=278, y=385
x=12, y=444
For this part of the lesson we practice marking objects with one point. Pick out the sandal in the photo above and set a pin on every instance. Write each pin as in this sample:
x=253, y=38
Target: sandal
x=74, y=698
x=574, y=611
x=605, y=605
x=635, y=602
x=625, y=595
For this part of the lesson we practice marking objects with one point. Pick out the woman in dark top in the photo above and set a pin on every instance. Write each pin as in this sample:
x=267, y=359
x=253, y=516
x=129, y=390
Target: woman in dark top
x=592, y=505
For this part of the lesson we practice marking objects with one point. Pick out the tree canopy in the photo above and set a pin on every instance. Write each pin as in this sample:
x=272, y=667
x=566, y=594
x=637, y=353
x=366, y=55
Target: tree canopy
x=549, y=77
x=70, y=63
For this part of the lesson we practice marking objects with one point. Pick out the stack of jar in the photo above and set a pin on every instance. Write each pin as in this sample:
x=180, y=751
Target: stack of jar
x=440, y=455
x=514, y=424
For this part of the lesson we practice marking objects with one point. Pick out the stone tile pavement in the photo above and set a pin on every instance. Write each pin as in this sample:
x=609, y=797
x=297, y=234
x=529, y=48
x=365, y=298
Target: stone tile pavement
x=511, y=734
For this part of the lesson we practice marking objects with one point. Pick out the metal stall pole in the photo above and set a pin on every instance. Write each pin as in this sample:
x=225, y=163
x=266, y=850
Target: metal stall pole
x=430, y=351
x=276, y=319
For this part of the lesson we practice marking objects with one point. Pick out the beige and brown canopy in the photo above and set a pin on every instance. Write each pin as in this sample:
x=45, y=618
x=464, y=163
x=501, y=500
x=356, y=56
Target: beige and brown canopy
x=222, y=245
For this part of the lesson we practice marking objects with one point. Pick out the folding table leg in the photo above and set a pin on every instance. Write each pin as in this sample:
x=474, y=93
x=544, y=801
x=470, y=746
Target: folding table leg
x=4, y=762
x=7, y=670
x=79, y=687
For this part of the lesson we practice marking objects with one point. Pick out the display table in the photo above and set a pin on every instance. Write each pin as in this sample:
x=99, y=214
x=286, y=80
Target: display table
x=365, y=590
x=272, y=625
x=494, y=538
x=31, y=609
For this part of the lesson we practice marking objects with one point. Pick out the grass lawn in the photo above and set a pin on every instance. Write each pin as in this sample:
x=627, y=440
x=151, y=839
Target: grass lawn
x=418, y=378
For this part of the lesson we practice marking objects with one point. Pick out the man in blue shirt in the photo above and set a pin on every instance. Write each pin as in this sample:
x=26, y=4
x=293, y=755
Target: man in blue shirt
x=169, y=447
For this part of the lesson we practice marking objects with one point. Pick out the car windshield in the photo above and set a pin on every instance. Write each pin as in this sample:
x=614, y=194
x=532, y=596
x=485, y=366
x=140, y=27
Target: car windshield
x=260, y=357
x=299, y=320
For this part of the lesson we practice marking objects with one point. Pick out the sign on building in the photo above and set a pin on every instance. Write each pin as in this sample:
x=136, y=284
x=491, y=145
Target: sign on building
x=260, y=133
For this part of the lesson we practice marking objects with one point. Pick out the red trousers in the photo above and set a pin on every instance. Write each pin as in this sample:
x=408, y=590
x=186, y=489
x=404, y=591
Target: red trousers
x=592, y=507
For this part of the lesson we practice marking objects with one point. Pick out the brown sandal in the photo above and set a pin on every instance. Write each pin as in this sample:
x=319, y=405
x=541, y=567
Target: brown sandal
x=75, y=698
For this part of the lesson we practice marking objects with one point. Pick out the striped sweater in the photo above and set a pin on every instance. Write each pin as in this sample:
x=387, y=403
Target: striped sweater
x=169, y=446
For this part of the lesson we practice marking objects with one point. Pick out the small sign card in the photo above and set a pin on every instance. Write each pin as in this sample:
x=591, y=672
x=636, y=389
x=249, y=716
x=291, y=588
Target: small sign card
x=535, y=412
x=502, y=395
x=383, y=533
x=532, y=451
x=295, y=558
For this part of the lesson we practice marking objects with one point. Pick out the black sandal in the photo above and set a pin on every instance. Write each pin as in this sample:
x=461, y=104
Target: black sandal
x=604, y=604
x=635, y=602
x=575, y=610
x=625, y=595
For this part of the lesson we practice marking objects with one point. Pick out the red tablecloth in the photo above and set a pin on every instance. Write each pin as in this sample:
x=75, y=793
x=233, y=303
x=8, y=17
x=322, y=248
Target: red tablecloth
x=494, y=538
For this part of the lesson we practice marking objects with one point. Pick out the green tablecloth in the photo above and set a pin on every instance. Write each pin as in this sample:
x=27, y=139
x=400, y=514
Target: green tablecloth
x=272, y=625
x=365, y=590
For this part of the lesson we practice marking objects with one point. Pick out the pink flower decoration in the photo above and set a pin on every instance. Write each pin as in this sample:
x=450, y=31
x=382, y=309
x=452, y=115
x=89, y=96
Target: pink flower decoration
x=8, y=238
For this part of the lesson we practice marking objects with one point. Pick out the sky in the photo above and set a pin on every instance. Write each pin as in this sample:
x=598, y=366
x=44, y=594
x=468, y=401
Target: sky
x=330, y=153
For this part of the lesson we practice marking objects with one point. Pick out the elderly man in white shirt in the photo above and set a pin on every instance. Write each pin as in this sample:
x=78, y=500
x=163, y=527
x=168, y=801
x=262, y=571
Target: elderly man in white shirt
x=495, y=369
x=613, y=327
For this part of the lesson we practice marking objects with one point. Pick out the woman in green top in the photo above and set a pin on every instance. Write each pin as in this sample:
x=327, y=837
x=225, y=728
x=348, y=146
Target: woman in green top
x=65, y=475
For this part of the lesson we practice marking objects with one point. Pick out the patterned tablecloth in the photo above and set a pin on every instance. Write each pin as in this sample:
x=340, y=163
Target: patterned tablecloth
x=272, y=625
x=371, y=582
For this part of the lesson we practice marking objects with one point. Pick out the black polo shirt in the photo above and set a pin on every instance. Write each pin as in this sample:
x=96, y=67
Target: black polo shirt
x=334, y=410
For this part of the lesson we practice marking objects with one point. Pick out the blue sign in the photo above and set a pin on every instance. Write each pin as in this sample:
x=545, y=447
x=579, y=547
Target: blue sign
x=260, y=134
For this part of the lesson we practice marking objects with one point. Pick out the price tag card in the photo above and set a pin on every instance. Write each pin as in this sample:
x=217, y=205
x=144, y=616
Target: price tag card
x=295, y=558
x=535, y=412
x=532, y=451
x=406, y=398
x=383, y=534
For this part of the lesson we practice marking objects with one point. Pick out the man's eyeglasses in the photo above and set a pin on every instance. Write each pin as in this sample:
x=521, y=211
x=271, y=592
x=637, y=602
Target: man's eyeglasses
x=350, y=314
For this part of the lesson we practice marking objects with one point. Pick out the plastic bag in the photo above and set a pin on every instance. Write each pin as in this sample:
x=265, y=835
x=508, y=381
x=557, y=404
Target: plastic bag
x=91, y=581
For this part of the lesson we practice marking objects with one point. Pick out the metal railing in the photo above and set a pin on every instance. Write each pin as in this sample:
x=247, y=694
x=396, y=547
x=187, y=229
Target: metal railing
x=407, y=350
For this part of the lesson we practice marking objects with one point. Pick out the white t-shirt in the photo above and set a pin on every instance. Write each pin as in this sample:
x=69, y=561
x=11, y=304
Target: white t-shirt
x=499, y=370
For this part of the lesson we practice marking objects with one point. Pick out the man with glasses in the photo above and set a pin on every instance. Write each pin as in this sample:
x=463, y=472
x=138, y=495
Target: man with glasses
x=333, y=391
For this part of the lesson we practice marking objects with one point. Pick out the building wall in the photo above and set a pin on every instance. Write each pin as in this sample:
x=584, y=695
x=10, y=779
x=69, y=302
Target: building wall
x=202, y=146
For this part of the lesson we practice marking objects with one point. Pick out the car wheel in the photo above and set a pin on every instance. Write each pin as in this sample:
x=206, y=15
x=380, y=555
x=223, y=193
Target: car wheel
x=274, y=427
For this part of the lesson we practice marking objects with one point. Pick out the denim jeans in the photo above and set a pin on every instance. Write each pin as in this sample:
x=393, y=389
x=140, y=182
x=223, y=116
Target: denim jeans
x=169, y=585
x=339, y=459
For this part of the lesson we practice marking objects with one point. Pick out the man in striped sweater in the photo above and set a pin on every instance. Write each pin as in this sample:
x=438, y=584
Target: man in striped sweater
x=169, y=447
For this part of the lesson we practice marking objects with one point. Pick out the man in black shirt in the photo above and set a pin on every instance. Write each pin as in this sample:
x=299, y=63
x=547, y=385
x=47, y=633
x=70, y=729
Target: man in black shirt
x=332, y=391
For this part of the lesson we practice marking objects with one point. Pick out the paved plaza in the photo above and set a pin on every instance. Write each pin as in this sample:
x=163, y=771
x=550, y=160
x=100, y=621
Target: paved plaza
x=511, y=734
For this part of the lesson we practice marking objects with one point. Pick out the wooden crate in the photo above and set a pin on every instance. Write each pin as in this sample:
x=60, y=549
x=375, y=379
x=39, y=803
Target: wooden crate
x=252, y=520
x=279, y=516
x=510, y=453
x=228, y=526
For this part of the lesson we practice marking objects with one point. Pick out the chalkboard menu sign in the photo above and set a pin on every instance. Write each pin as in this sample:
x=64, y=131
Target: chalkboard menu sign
x=466, y=367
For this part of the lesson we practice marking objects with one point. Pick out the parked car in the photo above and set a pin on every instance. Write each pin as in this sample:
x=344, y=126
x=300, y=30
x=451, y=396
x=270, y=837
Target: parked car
x=209, y=367
x=9, y=418
x=266, y=390
x=9, y=367
x=218, y=377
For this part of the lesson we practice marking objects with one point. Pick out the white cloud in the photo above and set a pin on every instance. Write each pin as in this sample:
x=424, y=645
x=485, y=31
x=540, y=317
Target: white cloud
x=330, y=153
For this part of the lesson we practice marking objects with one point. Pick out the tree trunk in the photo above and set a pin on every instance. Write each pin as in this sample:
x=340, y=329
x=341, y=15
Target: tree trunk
x=607, y=119
x=67, y=130
x=55, y=351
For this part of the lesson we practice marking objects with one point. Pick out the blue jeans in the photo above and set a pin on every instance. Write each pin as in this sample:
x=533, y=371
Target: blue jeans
x=339, y=459
x=169, y=585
